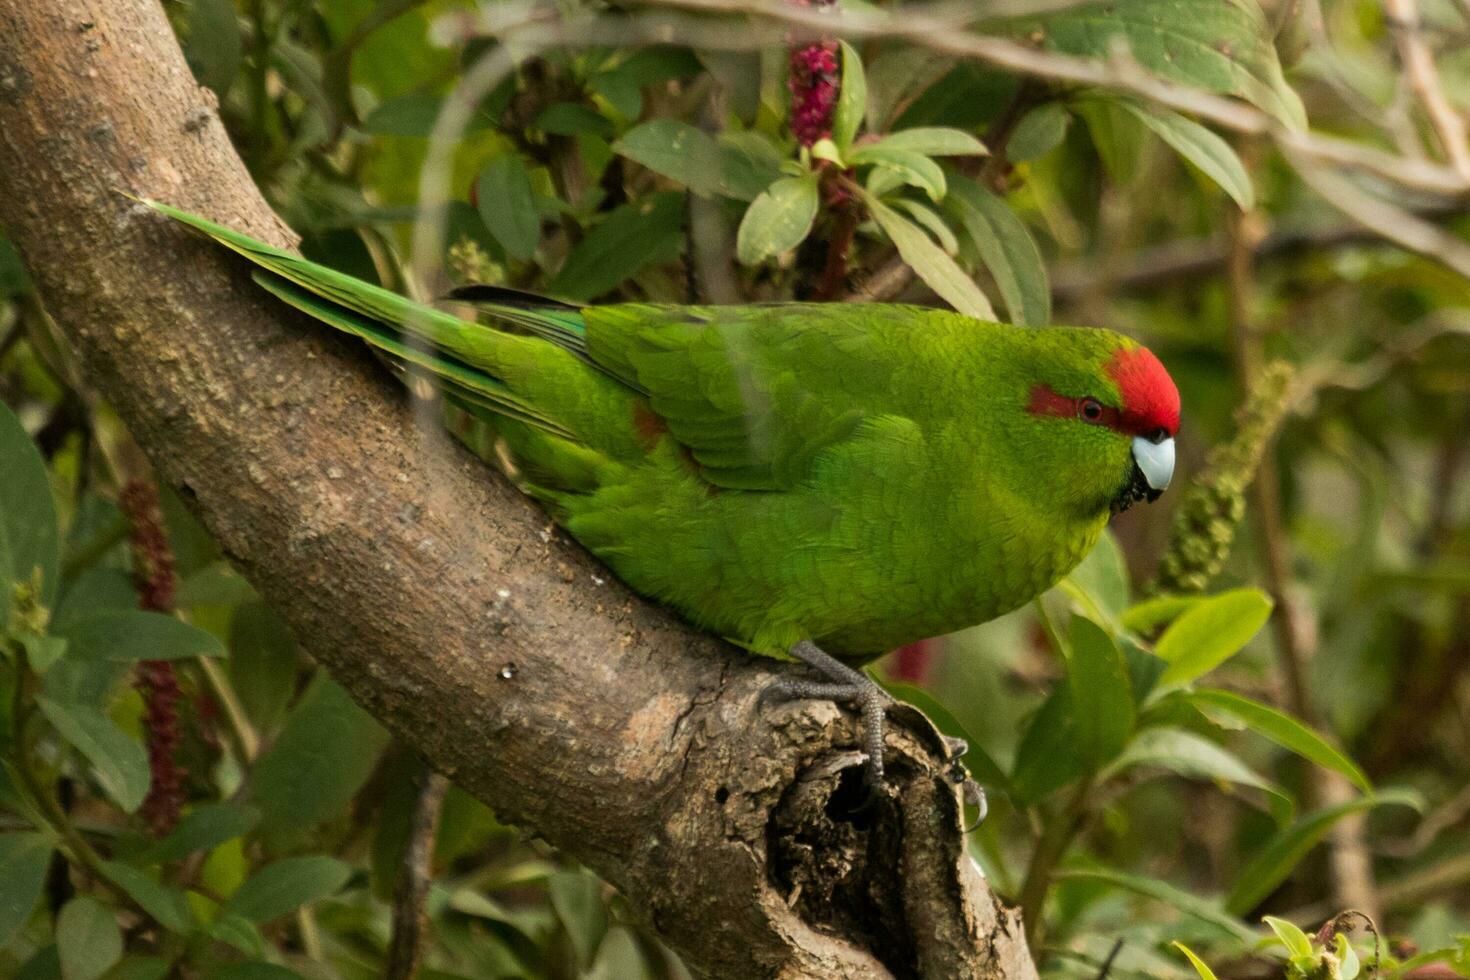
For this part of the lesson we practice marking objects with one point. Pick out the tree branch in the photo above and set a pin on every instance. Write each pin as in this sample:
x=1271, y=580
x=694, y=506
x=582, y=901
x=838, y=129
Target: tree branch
x=443, y=601
x=1423, y=77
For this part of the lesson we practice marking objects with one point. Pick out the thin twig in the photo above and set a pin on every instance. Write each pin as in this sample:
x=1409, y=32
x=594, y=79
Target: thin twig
x=1423, y=77
x=839, y=246
x=406, y=950
x=1107, y=965
x=1120, y=73
x=1173, y=262
x=1391, y=222
x=1352, y=866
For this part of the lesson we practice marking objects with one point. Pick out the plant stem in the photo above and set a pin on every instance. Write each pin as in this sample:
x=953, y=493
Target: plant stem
x=73, y=844
x=247, y=740
x=1049, y=628
x=415, y=874
x=1351, y=865
x=93, y=550
x=1050, y=849
x=839, y=246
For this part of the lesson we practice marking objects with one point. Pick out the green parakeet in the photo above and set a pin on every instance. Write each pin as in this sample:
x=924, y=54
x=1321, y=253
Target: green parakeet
x=807, y=479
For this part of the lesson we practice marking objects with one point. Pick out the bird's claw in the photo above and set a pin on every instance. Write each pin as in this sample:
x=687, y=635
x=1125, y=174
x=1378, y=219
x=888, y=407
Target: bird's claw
x=973, y=792
x=845, y=685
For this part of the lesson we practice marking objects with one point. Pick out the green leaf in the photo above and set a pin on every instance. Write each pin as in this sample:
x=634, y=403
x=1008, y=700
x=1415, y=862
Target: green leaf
x=622, y=93
x=13, y=277
x=203, y=828
x=95, y=590
x=572, y=119
x=932, y=223
x=910, y=168
x=1008, y=251
x=1049, y=755
x=506, y=205
x=738, y=76
x=23, y=862
x=1117, y=136
x=167, y=905
x=929, y=262
x=237, y=931
x=1291, y=936
x=121, y=764
x=1282, y=729
x=1205, y=973
x=749, y=163
x=968, y=96
x=1166, y=894
x=134, y=634
x=631, y=238
x=1187, y=754
x=83, y=683
x=414, y=115
x=1038, y=133
x=1144, y=669
x=852, y=99
x=1201, y=147
x=1102, y=697
x=777, y=220
x=286, y=885
x=1274, y=862
x=216, y=584
x=658, y=63
x=1223, y=47
x=1347, y=958
x=932, y=141
x=1210, y=633
x=325, y=752
x=678, y=151
x=263, y=664
x=825, y=149
x=577, y=898
x=254, y=970
x=898, y=76
x=1099, y=583
x=410, y=115
x=87, y=938
x=1148, y=615
x=979, y=762
x=27, y=515
x=42, y=651
x=213, y=46
x=620, y=958
x=140, y=968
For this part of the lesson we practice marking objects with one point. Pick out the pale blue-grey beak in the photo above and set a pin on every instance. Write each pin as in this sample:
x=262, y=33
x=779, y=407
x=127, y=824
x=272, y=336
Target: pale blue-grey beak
x=1156, y=461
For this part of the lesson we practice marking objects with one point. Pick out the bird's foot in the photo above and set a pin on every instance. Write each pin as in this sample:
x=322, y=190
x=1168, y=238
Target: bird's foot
x=846, y=685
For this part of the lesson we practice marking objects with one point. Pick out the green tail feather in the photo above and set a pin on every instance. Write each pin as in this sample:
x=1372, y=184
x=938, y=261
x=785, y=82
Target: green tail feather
x=471, y=388
x=408, y=332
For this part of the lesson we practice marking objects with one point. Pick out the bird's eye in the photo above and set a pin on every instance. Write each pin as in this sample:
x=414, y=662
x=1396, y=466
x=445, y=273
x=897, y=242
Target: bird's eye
x=1090, y=410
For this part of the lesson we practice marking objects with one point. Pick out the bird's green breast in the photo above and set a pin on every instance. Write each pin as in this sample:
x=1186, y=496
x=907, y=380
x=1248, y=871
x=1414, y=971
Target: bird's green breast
x=904, y=532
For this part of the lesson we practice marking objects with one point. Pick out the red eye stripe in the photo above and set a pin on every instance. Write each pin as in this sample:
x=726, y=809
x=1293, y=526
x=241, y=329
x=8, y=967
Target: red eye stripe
x=1048, y=401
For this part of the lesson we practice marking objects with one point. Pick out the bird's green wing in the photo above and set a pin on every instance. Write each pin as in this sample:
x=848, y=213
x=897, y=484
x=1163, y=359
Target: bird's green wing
x=755, y=393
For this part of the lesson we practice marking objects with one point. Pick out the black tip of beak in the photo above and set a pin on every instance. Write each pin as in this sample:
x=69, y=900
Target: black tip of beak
x=1133, y=491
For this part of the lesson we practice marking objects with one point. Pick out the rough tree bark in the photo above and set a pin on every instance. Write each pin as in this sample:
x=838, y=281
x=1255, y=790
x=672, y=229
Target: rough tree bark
x=443, y=601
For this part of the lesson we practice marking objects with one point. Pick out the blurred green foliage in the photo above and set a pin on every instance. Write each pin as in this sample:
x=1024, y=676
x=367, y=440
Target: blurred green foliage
x=1154, y=759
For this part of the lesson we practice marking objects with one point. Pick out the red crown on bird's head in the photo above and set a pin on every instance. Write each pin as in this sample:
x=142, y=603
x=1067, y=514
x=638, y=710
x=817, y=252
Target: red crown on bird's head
x=1150, y=399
